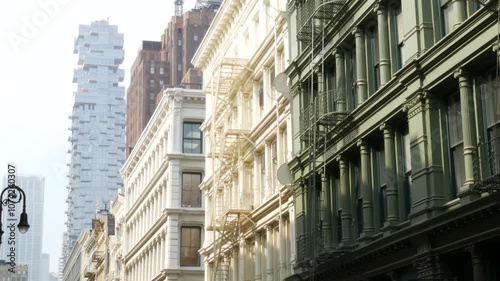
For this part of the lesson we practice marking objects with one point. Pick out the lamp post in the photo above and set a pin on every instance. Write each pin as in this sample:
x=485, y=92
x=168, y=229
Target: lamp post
x=15, y=195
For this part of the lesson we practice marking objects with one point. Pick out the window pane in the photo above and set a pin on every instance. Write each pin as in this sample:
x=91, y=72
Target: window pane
x=190, y=244
x=458, y=165
x=448, y=16
x=192, y=138
x=191, y=194
x=454, y=120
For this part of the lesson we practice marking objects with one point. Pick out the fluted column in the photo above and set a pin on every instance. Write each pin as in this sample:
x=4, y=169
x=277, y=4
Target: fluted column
x=466, y=192
x=340, y=82
x=460, y=11
x=345, y=202
x=383, y=43
x=258, y=253
x=366, y=190
x=390, y=176
x=269, y=253
x=326, y=203
x=360, y=65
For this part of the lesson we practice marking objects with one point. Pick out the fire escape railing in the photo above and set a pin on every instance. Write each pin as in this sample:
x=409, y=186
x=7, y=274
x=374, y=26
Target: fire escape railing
x=486, y=166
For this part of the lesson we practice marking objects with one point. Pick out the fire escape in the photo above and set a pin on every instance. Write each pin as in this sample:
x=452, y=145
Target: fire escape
x=229, y=206
x=487, y=155
x=326, y=114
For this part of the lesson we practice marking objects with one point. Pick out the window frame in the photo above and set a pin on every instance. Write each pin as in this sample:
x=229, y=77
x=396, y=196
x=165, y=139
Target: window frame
x=191, y=190
x=184, y=138
x=190, y=246
x=446, y=16
x=455, y=146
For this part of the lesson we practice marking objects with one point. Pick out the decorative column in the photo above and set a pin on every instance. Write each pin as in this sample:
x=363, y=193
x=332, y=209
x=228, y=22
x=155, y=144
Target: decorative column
x=267, y=176
x=326, y=203
x=322, y=98
x=383, y=43
x=258, y=253
x=256, y=180
x=360, y=65
x=460, y=11
x=366, y=192
x=255, y=100
x=477, y=262
x=235, y=264
x=467, y=192
x=340, y=82
x=429, y=190
x=269, y=253
x=242, y=261
x=390, y=176
x=282, y=248
x=345, y=202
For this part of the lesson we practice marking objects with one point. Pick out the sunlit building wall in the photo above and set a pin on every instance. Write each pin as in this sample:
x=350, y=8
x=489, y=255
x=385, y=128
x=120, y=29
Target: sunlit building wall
x=163, y=203
x=249, y=218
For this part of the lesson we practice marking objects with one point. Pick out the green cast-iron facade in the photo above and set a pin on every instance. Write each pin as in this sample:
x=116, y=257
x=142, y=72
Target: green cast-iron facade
x=396, y=137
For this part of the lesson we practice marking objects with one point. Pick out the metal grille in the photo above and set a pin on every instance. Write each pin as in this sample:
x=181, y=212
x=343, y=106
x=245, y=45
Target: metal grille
x=487, y=166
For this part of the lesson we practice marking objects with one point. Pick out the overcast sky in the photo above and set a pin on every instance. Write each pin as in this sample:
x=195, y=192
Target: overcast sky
x=36, y=69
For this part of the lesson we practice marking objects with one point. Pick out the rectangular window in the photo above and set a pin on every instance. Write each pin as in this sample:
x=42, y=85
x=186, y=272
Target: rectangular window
x=190, y=245
x=382, y=184
x=161, y=84
x=490, y=98
x=192, y=138
x=152, y=70
x=191, y=193
x=455, y=139
x=375, y=61
x=161, y=70
x=274, y=159
x=447, y=16
x=152, y=83
x=406, y=161
x=195, y=38
x=179, y=67
x=151, y=96
x=352, y=74
x=179, y=42
x=399, y=36
x=261, y=94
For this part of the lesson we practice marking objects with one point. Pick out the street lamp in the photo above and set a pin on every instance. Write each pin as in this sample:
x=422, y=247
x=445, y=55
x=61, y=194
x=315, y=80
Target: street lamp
x=15, y=195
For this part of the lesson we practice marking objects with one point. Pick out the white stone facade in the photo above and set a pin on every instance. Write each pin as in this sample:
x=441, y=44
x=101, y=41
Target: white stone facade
x=163, y=206
x=249, y=234
x=116, y=264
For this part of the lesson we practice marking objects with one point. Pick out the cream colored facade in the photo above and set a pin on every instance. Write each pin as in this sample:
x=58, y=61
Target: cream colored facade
x=116, y=270
x=249, y=217
x=164, y=212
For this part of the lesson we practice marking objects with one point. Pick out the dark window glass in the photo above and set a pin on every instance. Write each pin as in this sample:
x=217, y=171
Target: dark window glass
x=192, y=138
x=190, y=245
x=191, y=193
x=455, y=139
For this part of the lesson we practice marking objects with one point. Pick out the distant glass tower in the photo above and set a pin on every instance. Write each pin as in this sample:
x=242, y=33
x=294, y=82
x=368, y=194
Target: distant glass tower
x=97, y=138
x=29, y=245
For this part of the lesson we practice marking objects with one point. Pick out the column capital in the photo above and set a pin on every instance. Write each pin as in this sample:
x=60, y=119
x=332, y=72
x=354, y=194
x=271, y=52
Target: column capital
x=339, y=53
x=342, y=161
x=380, y=7
x=460, y=73
x=363, y=146
x=357, y=31
x=386, y=128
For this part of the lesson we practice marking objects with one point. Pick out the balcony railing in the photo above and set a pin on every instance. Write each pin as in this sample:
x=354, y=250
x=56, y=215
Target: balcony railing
x=487, y=166
x=327, y=109
x=312, y=10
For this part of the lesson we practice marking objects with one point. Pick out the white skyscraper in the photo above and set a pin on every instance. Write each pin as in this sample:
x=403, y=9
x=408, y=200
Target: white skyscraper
x=97, y=139
x=28, y=246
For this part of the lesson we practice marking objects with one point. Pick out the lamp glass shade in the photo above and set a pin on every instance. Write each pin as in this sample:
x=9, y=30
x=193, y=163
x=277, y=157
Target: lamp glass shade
x=23, y=225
